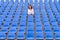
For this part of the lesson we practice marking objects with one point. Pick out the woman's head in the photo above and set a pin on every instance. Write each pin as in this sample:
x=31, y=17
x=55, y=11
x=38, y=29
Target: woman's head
x=29, y=7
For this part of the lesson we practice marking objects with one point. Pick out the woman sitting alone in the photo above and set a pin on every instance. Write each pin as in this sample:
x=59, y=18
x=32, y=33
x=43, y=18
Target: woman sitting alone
x=30, y=10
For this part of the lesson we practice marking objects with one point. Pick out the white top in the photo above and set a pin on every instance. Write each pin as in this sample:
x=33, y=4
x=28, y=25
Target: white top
x=30, y=11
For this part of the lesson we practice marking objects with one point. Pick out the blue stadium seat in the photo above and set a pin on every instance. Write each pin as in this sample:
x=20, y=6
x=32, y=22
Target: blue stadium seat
x=30, y=35
x=30, y=24
x=14, y=23
x=6, y=23
x=11, y=35
x=57, y=35
x=38, y=29
x=22, y=23
x=22, y=29
x=49, y=36
x=13, y=29
x=4, y=29
x=2, y=35
x=38, y=23
x=20, y=35
x=39, y=35
x=30, y=29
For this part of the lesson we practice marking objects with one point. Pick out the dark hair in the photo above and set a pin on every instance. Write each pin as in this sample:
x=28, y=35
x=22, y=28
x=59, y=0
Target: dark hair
x=30, y=6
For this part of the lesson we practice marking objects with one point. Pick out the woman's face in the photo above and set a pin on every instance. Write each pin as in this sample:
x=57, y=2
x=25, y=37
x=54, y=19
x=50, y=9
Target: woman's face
x=30, y=7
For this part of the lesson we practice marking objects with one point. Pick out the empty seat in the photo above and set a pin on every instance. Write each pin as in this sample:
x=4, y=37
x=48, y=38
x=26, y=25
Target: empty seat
x=20, y=35
x=4, y=29
x=22, y=29
x=49, y=36
x=57, y=35
x=22, y=23
x=2, y=35
x=39, y=35
x=39, y=29
x=30, y=24
x=11, y=35
x=6, y=23
x=13, y=29
x=14, y=23
x=30, y=35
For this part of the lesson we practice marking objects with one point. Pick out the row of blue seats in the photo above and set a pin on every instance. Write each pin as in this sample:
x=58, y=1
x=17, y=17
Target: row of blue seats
x=29, y=35
x=26, y=1
x=31, y=21
x=38, y=26
x=30, y=30
x=31, y=1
